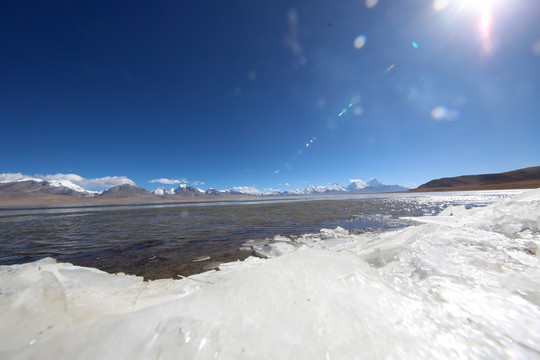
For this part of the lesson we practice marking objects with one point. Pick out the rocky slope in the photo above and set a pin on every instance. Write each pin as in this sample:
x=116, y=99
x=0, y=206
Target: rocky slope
x=527, y=178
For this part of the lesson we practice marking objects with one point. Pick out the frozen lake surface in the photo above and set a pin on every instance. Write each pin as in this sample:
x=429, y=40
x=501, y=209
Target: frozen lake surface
x=462, y=284
x=163, y=240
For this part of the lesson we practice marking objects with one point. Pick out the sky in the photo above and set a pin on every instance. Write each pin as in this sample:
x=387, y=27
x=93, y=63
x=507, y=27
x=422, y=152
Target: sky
x=269, y=94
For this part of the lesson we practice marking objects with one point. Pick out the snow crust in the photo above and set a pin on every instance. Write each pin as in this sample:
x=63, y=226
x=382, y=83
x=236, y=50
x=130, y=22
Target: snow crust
x=464, y=284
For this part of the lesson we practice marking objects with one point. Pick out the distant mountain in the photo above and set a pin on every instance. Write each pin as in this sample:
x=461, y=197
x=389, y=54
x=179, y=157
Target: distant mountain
x=184, y=190
x=214, y=192
x=126, y=191
x=29, y=191
x=373, y=186
x=528, y=178
x=356, y=187
x=163, y=192
x=27, y=187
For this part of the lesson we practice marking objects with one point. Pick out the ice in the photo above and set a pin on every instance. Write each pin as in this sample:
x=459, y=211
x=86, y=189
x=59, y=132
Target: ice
x=465, y=284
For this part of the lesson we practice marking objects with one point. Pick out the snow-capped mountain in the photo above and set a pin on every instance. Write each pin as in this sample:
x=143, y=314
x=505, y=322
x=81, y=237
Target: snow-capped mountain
x=373, y=186
x=335, y=187
x=356, y=185
x=26, y=187
x=182, y=190
x=313, y=189
x=162, y=191
x=70, y=185
x=185, y=190
x=213, y=191
x=60, y=184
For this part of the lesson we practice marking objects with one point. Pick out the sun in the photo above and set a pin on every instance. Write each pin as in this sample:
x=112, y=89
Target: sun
x=483, y=11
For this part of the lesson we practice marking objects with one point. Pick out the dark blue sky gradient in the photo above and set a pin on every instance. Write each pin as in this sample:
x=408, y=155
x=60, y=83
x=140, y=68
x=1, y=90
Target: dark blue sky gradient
x=229, y=93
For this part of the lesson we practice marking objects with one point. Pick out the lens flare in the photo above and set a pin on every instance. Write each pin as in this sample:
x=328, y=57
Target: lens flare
x=439, y=5
x=442, y=113
x=358, y=111
x=485, y=22
x=536, y=48
x=485, y=27
x=359, y=42
x=371, y=3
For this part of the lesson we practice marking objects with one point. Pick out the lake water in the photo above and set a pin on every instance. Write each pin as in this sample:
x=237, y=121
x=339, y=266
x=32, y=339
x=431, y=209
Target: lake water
x=166, y=240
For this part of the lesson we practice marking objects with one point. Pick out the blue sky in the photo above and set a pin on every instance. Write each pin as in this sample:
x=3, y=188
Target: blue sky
x=232, y=93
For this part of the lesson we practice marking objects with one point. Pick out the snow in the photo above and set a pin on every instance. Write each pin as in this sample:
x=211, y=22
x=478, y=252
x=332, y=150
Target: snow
x=375, y=183
x=356, y=184
x=72, y=181
x=72, y=186
x=161, y=191
x=465, y=284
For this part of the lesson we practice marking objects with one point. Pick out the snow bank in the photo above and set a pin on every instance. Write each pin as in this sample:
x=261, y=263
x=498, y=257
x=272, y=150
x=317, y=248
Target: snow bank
x=465, y=284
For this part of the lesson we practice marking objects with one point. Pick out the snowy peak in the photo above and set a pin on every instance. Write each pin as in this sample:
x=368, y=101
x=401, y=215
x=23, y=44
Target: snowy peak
x=356, y=184
x=25, y=187
x=185, y=190
x=374, y=183
x=213, y=191
x=372, y=186
x=70, y=185
x=162, y=191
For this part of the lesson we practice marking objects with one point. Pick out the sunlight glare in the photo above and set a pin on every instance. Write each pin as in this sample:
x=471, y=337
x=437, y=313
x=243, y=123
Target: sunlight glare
x=439, y=5
x=485, y=28
x=485, y=22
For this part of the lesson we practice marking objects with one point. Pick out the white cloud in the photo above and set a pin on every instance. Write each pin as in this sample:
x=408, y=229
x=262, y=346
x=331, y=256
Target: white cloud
x=168, y=181
x=198, y=183
x=247, y=190
x=60, y=176
x=11, y=177
x=93, y=184
x=107, y=182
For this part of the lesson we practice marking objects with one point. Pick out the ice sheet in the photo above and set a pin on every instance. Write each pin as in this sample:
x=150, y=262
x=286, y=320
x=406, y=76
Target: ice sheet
x=465, y=284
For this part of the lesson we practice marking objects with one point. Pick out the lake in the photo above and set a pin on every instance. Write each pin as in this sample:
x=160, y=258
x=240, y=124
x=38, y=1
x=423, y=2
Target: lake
x=165, y=240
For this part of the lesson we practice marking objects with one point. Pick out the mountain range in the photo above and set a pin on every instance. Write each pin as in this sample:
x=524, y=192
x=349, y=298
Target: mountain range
x=57, y=191
x=46, y=190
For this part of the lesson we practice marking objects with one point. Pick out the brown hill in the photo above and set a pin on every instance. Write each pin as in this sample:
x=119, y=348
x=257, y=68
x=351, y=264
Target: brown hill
x=528, y=178
x=127, y=191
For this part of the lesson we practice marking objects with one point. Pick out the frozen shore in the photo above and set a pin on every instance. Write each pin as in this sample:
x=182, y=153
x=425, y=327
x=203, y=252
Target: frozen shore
x=464, y=284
